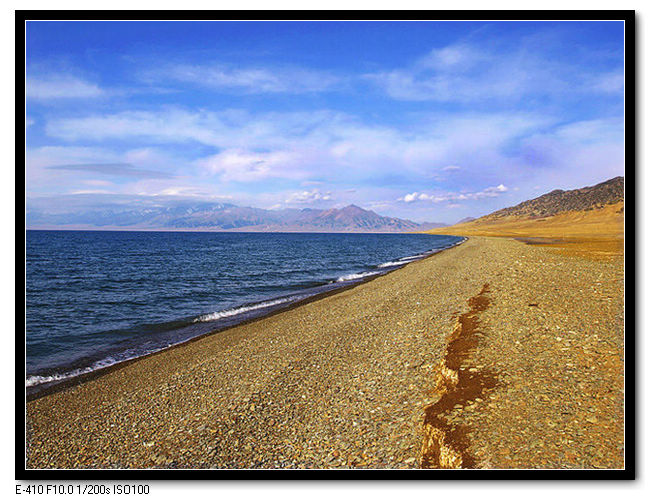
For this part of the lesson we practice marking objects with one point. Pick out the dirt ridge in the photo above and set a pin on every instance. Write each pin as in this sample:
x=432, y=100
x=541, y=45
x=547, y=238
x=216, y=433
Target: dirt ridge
x=445, y=446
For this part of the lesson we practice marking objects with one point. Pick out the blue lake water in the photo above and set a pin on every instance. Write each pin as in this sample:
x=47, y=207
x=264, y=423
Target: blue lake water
x=96, y=298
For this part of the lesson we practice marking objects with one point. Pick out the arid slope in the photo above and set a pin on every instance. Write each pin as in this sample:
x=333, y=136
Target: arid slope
x=596, y=228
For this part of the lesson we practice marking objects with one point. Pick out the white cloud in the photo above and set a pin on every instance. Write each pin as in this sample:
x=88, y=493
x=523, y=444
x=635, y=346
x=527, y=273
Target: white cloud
x=466, y=72
x=247, y=166
x=326, y=146
x=441, y=197
x=175, y=125
x=309, y=146
x=496, y=189
x=91, y=191
x=224, y=129
x=590, y=131
x=609, y=82
x=249, y=80
x=37, y=159
x=409, y=198
x=61, y=87
x=305, y=197
x=97, y=182
x=575, y=155
x=451, y=56
x=187, y=192
x=60, y=169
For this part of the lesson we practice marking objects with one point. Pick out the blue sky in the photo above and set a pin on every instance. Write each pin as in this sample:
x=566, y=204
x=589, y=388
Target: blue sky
x=431, y=121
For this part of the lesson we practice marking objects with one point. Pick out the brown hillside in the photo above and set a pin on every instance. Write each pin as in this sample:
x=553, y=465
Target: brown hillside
x=558, y=201
x=587, y=221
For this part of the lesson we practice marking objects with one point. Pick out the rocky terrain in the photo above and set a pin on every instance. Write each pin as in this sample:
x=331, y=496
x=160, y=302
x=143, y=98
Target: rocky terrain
x=558, y=201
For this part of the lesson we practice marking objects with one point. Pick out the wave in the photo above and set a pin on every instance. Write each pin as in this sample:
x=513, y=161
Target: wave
x=43, y=379
x=239, y=310
x=407, y=260
x=400, y=262
x=356, y=276
x=413, y=257
x=393, y=263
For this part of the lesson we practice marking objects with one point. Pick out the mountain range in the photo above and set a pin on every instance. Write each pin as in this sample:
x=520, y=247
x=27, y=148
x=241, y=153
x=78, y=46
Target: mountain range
x=201, y=215
x=169, y=213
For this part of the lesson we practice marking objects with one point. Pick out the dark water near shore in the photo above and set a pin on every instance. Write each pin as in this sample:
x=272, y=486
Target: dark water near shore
x=97, y=298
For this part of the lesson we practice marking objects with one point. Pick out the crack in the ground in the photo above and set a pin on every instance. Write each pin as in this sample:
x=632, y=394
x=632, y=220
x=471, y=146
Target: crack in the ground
x=445, y=444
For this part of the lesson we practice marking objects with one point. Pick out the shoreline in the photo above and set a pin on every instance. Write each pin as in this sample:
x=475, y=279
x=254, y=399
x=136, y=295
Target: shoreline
x=33, y=392
x=355, y=379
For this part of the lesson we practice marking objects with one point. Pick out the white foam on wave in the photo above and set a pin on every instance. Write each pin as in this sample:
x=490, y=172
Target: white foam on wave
x=98, y=365
x=39, y=379
x=394, y=263
x=356, y=276
x=401, y=262
x=413, y=257
x=239, y=310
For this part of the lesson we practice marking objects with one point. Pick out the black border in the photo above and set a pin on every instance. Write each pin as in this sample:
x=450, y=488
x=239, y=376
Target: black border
x=628, y=16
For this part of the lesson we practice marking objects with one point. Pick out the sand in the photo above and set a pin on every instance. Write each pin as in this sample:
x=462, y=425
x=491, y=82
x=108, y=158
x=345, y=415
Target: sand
x=493, y=354
x=594, y=234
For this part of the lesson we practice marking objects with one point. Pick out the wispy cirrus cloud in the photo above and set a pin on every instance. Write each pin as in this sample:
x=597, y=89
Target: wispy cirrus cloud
x=61, y=86
x=341, y=150
x=247, y=80
x=468, y=72
x=66, y=168
x=301, y=146
x=97, y=182
x=246, y=166
x=575, y=154
x=114, y=169
x=611, y=82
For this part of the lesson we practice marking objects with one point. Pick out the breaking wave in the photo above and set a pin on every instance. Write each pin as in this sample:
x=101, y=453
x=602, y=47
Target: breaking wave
x=243, y=309
x=356, y=276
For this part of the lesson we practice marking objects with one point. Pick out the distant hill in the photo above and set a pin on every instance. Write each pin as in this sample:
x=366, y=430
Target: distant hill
x=589, y=212
x=558, y=201
x=170, y=214
x=350, y=218
x=466, y=219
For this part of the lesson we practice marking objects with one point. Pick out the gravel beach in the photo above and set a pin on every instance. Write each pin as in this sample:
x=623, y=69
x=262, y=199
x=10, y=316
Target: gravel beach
x=492, y=354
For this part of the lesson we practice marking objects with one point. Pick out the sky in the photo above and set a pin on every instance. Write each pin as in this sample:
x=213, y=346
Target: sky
x=430, y=121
